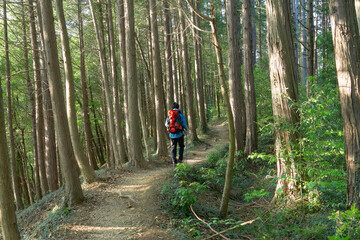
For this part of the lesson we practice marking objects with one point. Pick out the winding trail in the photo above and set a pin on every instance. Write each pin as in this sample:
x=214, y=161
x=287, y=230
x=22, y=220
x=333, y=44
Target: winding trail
x=124, y=205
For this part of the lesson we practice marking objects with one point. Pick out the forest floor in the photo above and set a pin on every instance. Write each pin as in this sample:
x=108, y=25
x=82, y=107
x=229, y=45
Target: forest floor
x=124, y=204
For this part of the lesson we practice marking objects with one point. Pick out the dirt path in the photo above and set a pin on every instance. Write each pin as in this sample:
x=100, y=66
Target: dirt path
x=125, y=204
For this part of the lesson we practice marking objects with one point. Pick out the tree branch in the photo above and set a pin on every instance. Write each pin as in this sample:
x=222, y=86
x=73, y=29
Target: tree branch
x=206, y=18
x=217, y=233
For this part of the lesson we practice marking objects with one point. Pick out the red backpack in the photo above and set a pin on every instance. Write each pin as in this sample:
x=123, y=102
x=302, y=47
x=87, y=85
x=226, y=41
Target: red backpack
x=173, y=120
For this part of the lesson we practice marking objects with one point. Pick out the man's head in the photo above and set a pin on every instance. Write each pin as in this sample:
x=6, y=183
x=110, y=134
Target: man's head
x=175, y=105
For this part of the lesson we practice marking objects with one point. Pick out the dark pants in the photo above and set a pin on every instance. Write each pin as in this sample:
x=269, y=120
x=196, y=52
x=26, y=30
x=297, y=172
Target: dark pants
x=174, y=142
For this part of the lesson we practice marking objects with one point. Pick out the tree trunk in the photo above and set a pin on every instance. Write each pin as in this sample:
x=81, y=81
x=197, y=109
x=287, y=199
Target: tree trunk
x=168, y=55
x=284, y=92
x=74, y=193
x=310, y=56
x=260, y=29
x=23, y=171
x=135, y=151
x=9, y=227
x=115, y=90
x=187, y=75
x=357, y=8
x=85, y=98
x=42, y=89
x=158, y=83
x=85, y=168
x=30, y=89
x=122, y=48
x=142, y=113
x=152, y=82
x=225, y=93
x=198, y=71
x=15, y=182
x=345, y=35
x=235, y=85
x=106, y=84
x=249, y=85
x=304, y=73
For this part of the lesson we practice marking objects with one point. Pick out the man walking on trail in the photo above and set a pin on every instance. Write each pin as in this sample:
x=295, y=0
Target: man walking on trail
x=176, y=126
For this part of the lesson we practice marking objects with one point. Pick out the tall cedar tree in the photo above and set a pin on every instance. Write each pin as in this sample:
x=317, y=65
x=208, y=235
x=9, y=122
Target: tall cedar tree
x=9, y=227
x=249, y=85
x=84, y=164
x=158, y=83
x=345, y=35
x=234, y=66
x=74, y=193
x=284, y=90
x=135, y=151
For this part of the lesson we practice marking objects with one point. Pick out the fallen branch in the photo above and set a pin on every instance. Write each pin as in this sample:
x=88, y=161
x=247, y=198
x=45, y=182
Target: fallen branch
x=232, y=228
x=217, y=233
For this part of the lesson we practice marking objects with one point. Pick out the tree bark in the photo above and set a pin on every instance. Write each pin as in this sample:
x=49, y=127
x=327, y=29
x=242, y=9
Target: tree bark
x=85, y=168
x=42, y=89
x=345, y=35
x=284, y=91
x=9, y=227
x=187, y=75
x=198, y=71
x=74, y=193
x=30, y=89
x=168, y=55
x=135, y=151
x=235, y=85
x=85, y=98
x=122, y=48
x=158, y=83
x=115, y=90
x=249, y=85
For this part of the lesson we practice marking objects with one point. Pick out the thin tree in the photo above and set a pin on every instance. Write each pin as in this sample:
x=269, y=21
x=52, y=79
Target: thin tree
x=85, y=168
x=158, y=83
x=187, y=75
x=198, y=70
x=168, y=54
x=9, y=227
x=106, y=84
x=115, y=87
x=249, y=85
x=225, y=93
x=32, y=96
x=284, y=91
x=31, y=93
x=74, y=193
x=85, y=98
x=234, y=66
x=15, y=179
x=310, y=56
x=345, y=35
x=42, y=93
x=135, y=151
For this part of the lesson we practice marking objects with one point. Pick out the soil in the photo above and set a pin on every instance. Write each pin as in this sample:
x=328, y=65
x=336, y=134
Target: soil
x=124, y=203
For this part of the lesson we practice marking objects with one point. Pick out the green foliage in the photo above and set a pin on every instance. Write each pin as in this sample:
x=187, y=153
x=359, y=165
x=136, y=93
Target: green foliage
x=180, y=195
x=190, y=225
x=255, y=194
x=187, y=194
x=347, y=224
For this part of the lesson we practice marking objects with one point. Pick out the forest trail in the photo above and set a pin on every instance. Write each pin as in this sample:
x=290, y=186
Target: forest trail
x=125, y=204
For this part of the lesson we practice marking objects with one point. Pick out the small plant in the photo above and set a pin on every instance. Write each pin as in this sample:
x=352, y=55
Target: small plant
x=188, y=194
x=256, y=194
x=347, y=224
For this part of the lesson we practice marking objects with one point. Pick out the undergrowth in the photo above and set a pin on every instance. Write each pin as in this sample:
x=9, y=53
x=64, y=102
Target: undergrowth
x=319, y=212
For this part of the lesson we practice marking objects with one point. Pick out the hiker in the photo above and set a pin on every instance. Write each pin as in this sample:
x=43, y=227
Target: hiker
x=176, y=125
